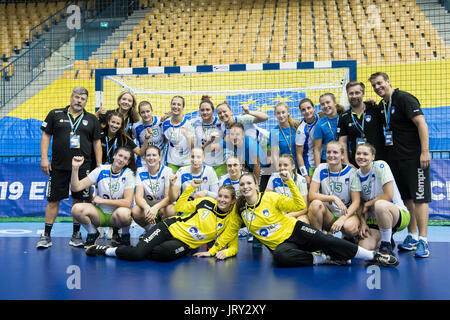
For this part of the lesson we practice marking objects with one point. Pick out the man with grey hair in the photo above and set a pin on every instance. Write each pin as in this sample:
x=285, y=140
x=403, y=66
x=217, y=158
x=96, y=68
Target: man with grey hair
x=75, y=132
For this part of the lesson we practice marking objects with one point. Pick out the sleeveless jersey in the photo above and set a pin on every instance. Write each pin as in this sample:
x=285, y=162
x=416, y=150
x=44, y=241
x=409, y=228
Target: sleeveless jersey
x=154, y=186
x=372, y=184
x=340, y=184
x=111, y=186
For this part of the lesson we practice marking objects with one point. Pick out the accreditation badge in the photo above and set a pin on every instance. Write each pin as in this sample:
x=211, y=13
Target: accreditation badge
x=388, y=137
x=74, y=141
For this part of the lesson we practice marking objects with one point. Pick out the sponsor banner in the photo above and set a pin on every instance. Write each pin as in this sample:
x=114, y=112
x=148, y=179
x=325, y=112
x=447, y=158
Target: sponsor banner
x=23, y=191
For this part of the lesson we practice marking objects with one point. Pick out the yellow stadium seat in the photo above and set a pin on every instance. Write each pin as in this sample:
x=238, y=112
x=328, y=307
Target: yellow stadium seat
x=69, y=74
x=84, y=74
x=79, y=65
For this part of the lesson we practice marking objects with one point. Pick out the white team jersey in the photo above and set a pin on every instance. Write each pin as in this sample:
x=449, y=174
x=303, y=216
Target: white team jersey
x=178, y=147
x=305, y=137
x=111, y=186
x=154, y=186
x=226, y=180
x=210, y=182
x=157, y=139
x=259, y=134
x=340, y=184
x=202, y=135
x=276, y=184
x=372, y=184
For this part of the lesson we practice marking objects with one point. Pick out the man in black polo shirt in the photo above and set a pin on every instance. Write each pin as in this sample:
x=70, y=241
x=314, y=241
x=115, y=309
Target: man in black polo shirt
x=361, y=123
x=407, y=147
x=75, y=132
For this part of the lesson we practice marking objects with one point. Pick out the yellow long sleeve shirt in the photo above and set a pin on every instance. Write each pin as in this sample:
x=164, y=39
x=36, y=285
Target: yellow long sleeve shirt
x=266, y=220
x=202, y=222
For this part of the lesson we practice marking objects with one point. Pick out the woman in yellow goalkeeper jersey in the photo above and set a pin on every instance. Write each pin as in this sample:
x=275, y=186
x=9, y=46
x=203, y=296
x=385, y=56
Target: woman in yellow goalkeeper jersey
x=291, y=241
x=203, y=221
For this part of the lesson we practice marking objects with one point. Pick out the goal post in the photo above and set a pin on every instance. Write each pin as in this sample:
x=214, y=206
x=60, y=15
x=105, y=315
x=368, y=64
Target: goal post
x=260, y=85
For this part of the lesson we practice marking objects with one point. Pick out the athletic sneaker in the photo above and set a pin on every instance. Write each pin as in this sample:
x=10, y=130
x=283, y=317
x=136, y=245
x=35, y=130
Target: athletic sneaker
x=422, y=250
x=385, y=260
x=91, y=238
x=386, y=248
x=408, y=244
x=44, y=242
x=96, y=250
x=76, y=240
x=337, y=262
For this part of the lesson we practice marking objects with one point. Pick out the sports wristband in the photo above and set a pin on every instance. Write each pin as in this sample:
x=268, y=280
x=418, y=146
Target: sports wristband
x=303, y=171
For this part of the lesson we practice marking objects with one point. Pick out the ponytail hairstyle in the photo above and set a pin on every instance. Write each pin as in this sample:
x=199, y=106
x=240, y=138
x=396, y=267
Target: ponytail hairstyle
x=292, y=123
x=224, y=103
x=290, y=157
x=339, y=108
x=180, y=97
x=206, y=99
x=340, y=145
x=240, y=202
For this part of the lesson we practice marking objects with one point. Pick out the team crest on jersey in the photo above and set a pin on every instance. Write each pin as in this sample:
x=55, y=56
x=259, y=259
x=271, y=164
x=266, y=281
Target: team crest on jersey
x=392, y=110
x=266, y=213
x=368, y=118
x=196, y=234
x=84, y=122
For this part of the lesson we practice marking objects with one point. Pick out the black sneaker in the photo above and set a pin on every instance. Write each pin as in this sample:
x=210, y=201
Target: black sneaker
x=386, y=248
x=96, y=250
x=385, y=260
x=91, y=238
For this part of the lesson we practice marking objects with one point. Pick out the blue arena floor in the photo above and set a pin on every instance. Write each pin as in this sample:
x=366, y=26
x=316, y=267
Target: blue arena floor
x=66, y=273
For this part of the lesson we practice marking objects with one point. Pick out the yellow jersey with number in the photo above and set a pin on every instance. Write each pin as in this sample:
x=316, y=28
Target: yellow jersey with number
x=266, y=220
x=201, y=223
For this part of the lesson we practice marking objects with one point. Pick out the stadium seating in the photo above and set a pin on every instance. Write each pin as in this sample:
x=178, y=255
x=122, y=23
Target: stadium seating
x=178, y=32
x=18, y=19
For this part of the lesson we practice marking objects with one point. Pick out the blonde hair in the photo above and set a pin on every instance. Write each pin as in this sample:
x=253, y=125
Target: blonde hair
x=132, y=113
x=293, y=123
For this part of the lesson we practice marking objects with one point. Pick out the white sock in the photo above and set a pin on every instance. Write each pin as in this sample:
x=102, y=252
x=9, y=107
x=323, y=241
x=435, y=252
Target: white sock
x=111, y=252
x=90, y=228
x=319, y=258
x=364, y=254
x=125, y=230
x=423, y=238
x=386, y=235
x=414, y=235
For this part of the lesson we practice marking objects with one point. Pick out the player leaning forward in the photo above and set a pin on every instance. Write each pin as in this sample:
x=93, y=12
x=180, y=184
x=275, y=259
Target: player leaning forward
x=291, y=241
